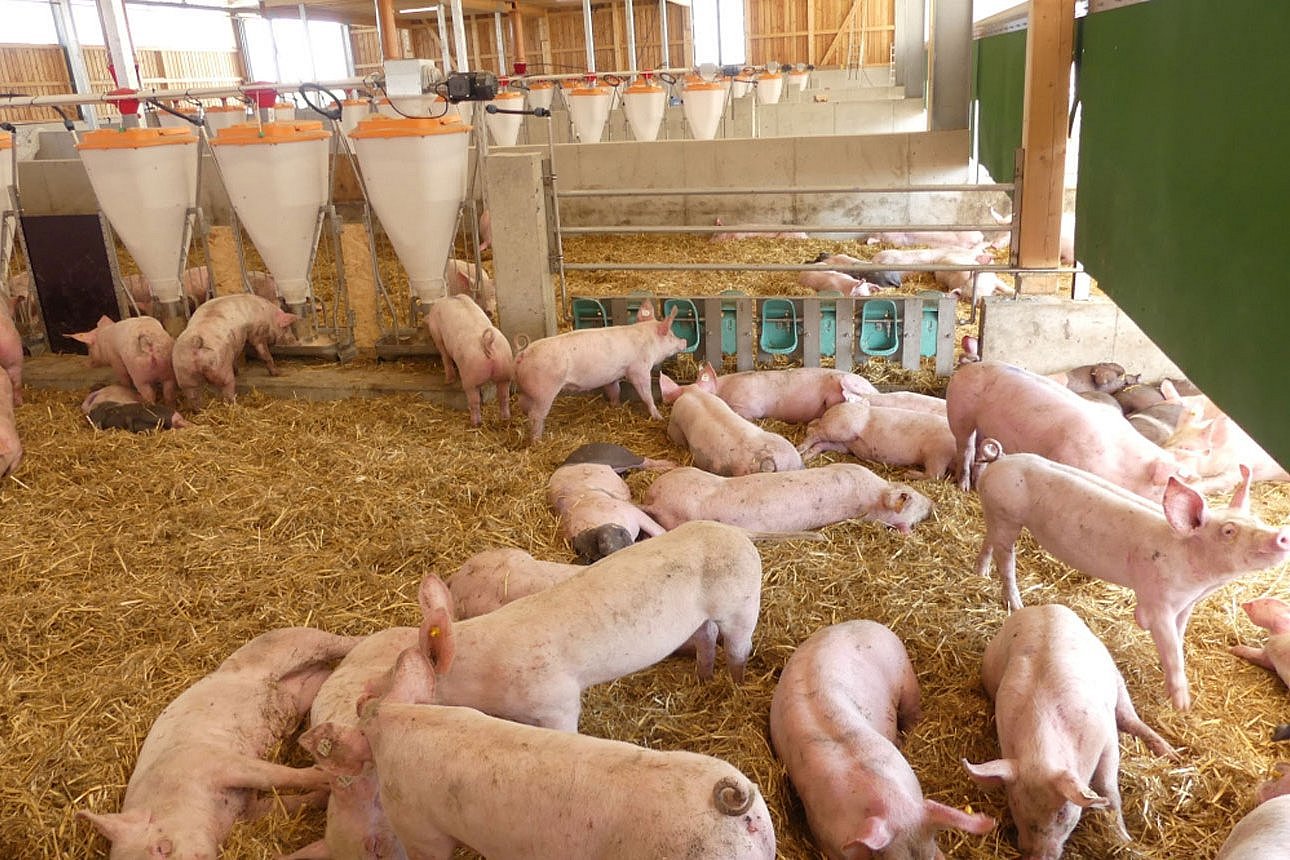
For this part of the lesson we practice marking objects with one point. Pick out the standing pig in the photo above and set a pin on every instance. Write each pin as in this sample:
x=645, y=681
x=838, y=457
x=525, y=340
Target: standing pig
x=1171, y=554
x=471, y=347
x=11, y=353
x=1263, y=834
x=216, y=335
x=116, y=407
x=787, y=501
x=196, y=284
x=722, y=442
x=1058, y=704
x=897, y=437
x=1273, y=616
x=263, y=285
x=841, y=702
x=796, y=396
x=460, y=278
x=495, y=577
x=138, y=350
x=203, y=760
x=596, y=512
x=511, y=791
x=585, y=359
x=10, y=444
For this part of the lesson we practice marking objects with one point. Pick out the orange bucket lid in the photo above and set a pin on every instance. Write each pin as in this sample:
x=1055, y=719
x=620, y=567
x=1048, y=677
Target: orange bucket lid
x=6, y=141
x=798, y=72
x=134, y=138
x=277, y=105
x=510, y=94
x=226, y=108
x=353, y=102
x=541, y=85
x=588, y=91
x=768, y=75
x=703, y=85
x=642, y=87
x=385, y=126
x=246, y=133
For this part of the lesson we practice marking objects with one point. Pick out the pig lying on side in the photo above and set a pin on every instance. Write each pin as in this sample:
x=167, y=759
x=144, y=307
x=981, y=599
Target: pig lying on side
x=473, y=349
x=202, y=762
x=1262, y=834
x=495, y=577
x=785, y=502
x=824, y=281
x=723, y=443
x=585, y=359
x=1273, y=616
x=1106, y=377
x=1276, y=787
x=138, y=350
x=797, y=396
x=595, y=508
x=10, y=444
x=217, y=333
x=512, y=791
x=910, y=400
x=765, y=234
x=876, y=280
x=116, y=407
x=931, y=238
x=1058, y=703
x=840, y=704
x=11, y=352
x=1172, y=554
x=897, y=437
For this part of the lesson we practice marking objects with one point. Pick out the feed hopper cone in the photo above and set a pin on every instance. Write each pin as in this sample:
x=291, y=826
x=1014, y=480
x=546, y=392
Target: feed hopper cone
x=589, y=107
x=352, y=111
x=6, y=204
x=799, y=78
x=770, y=86
x=541, y=94
x=703, y=104
x=643, y=103
x=505, y=127
x=223, y=116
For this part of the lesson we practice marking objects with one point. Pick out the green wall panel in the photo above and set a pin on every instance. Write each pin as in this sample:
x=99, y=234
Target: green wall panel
x=1184, y=191
x=999, y=85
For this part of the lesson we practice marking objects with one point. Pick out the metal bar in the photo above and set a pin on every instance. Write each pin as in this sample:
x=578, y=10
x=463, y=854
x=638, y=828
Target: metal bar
x=631, y=35
x=745, y=336
x=587, y=34
x=911, y=332
x=234, y=91
x=844, y=354
x=712, y=322
x=775, y=228
x=804, y=267
x=459, y=36
x=666, y=59
x=66, y=28
x=946, y=310
x=501, y=43
x=443, y=39
x=788, y=189
x=811, y=332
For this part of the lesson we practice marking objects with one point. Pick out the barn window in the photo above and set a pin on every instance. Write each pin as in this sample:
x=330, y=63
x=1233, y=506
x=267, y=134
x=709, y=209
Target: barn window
x=719, y=35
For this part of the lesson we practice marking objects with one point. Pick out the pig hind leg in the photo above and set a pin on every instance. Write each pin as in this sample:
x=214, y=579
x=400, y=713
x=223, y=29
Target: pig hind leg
x=1128, y=721
x=504, y=399
x=736, y=638
x=473, y=401
x=1257, y=656
x=1000, y=543
x=242, y=771
x=704, y=641
x=613, y=393
x=1105, y=782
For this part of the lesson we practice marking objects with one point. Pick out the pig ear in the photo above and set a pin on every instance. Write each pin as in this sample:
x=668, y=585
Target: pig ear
x=412, y=679
x=875, y=834
x=645, y=311
x=707, y=380
x=284, y=319
x=1184, y=507
x=895, y=500
x=1070, y=787
x=944, y=817
x=666, y=387
x=1241, y=498
x=436, y=635
x=666, y=325
x=104, y=322
x=338, y=750
x=85, y=336
x=1001, y=770
x=1169, y=391
x=117, y=825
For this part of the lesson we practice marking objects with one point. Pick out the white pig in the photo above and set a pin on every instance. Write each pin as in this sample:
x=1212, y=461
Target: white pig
x=1172, y=554
x=932, y=238
x=459, y=275
x=470, y=347
x=797, y=395
x=897, y=437
x=1059, y=703
x=722, y=442
x=595, y=508
x=1276, y=787
x=911, y=400
x=195, y=284
x=1274, y=616
x=822, y=281
x=138, y=350
x=1262, y=834
x=215, y=337
x=10, y=444
x=495, y=577
x=840, y=705
x=11, y=357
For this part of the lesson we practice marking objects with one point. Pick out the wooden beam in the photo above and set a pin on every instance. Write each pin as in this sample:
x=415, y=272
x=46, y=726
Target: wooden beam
x=474, y=43
x=391, y=48
x=617, y=25
x=544, y=42
x=842, y=27
x=1049, y=40
x=810, y=32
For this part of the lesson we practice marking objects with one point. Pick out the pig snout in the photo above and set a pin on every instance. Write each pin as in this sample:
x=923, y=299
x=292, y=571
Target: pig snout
x=592, y=545
x=1281, y=732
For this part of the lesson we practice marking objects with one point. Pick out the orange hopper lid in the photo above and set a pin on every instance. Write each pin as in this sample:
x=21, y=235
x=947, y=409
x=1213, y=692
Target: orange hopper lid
x=353, y=102
x=703, y=85
x=134, y=138
x=588, y=91
x=541, y=85
x=510, y=94
x=6, y=141
x=246, y=133
x=226, y=108
x=768, y=75
x=385, y=126
x=642, y=87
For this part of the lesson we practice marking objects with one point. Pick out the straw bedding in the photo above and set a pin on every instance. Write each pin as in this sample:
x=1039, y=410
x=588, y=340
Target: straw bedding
x=134, y=564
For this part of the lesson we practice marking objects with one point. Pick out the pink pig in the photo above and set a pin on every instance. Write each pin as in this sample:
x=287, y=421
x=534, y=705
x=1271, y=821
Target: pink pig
x=11, y=353
x=495, y=577
x=263, y=285
x=1276, y=787
x=1172, y=554
x=138, y=350
x=839, y=707
x=195, y=282
x=823, y=281
x=931, y=238
x=585, y=359
x=595, y=508
x=796, y=396
x=459, y=275
x=10, y=444
x=1058, y=703
x=897, y=437
x=472, y=348
x=1262, y=834
x=785, y=501
x=1274, y=616
x=203, y=760
x=911, y=400
x=722, y=442
x=217, y=333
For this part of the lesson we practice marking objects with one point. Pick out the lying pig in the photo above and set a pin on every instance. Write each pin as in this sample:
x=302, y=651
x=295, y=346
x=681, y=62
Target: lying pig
x=495, y=577
x=10, y=444
x=138, y=350
x=1262, y=834
x=509, y=790
x=595, y=508
x=908, y=400
x=1065, y=239
x=196, y=284
x=116, y=407
x=1136, y=397
x=897, y=437
x=722, y=442
x=1102, y=399
x=785, y=502
x=1276, y=787
x=1027, y=412
x=797, y=396
x=1059, y=702
x=1162, y=422
x=841, y=702
x=1217, y=450
x=931, y=238
x=216, y=335
x=1273, y=616
x=730, y=237
x=473, y=349
x=823, y=281
x=1172, y=554
x=459, y=276
x=11, y=353
x=584, y=359
x=959, y=283
x=1106, y=377
x=485, y=231
x=203, y=760
x=874, y=279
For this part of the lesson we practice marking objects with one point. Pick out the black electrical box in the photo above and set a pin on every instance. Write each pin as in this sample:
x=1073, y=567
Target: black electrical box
x=472, y=87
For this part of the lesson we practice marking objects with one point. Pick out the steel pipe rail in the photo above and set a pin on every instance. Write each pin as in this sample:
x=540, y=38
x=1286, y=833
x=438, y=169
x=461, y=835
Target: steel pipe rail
x=786, y=228
x=622, y=73
x=781, y=189
x=796, y=267
x=369, y=81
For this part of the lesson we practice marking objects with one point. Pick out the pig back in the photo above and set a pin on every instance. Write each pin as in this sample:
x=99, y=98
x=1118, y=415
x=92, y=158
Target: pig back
x=1262, y=834
x=1049, y=652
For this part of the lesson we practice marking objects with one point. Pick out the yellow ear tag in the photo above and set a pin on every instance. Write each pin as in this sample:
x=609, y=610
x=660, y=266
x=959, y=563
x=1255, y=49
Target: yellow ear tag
x=703, y=377
x=434, y=632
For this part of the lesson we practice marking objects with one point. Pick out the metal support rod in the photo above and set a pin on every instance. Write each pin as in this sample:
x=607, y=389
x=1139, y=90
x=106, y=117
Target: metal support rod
x=631, y=37
x=459, y=36
x=590, y=37
x=797, y=267
x=443, y=39
x=556, y=232
x=236, y=91
x=309, y=43
x=665, y=60
x=501, y=43
x=782, y=228
x=66, y=27
x=116, y=33
x=784, y=189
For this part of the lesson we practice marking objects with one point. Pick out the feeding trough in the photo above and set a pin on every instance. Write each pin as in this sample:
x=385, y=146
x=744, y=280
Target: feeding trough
x=145, y=180
x=541, y=93
x=505, y=127
x=703, y=103
x=589, y=107
x=644, y=102
x=770, y=86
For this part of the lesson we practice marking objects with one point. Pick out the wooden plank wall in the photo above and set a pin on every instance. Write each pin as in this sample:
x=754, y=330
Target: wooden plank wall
x=825, y=33
x=35, y=69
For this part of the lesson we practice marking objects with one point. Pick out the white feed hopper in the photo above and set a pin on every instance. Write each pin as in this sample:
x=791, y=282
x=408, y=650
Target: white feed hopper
x=505, y=127
x=703, y=101
x=589, y=107
x=352, y=111
x=541, y=94
x=798, y=78
x=6, y=205
x=145, y=180
x=417, y=107
x=276, y=177
x=770, y=86
x=284, y=112
x=223, y=116
x=165, y=119
x=415, y=171
x=644, y=102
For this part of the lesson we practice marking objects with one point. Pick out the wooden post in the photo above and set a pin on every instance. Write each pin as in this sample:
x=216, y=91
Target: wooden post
x=390, y=47
x=617, y=26
x=517, y=35
x=810, y=32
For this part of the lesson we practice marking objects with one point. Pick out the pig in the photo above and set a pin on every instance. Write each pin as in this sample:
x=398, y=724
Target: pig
x=1161, y=422
x=950, y=239
x=460, y=278
x=485, y=231
x=1281, y=732
x=584, y=359
x=10, y=444
x=595, y=508
x=1172, y=554
x=1065, y=239
x=202, y=761
x=1026, y=412
x=1276, y=787
x=910, y=401
x=909, y=257
x=822, y=281
x=1059, y=703
x=1217, y=450
x=616, y=457
x=796, y=396
x=785, y=502
x=1107, y=377
x=728, y=237
x=216, y=335
x=116, y=407
x=263, y=285
x=876, y=280
x=959, y=283
x=842, y=700
x=11, y=353
x=472, y=348
x=495, y=577
x=722, y=442
x=16, y=291
x=1274, y=616
x=897, y=437
x=138, y=350
x=196, y=285
x=1137, y=397
x=1262, y=834
x=1103, y=399
x=620, y=801
x=985, y=285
